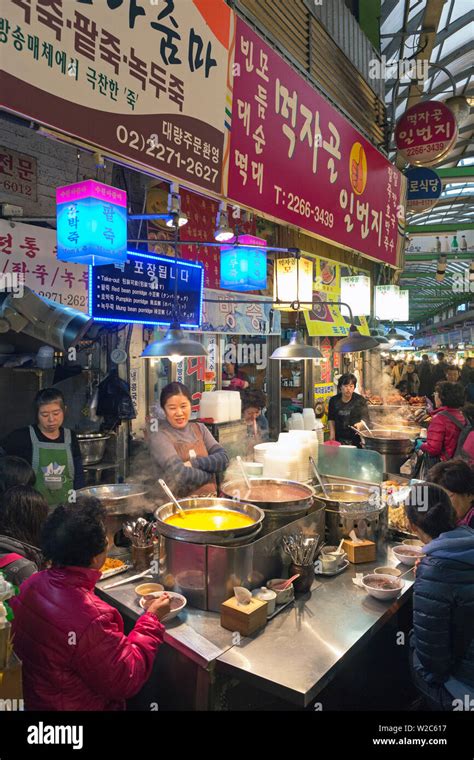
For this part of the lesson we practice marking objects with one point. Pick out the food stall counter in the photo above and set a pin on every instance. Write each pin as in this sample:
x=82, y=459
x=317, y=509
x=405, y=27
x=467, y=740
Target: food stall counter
x=302, y=650
x=197, y=634
x=305, y=647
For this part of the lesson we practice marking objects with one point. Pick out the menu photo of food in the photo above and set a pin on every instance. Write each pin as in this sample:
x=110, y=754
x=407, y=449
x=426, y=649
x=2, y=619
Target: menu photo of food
x=327, y=276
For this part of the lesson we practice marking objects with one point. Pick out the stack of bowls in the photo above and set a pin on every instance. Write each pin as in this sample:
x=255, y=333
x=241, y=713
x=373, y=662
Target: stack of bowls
x=260, y=449
x=281, y=463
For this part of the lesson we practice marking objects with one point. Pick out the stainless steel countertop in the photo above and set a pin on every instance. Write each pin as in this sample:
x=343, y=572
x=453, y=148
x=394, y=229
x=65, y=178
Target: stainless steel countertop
x=196, y=633
x=314, y=637
x=301, y=650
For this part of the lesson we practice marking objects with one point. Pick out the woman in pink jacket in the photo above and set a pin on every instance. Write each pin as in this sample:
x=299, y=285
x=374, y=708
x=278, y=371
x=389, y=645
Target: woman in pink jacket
x=443, y=432
x=74, y=652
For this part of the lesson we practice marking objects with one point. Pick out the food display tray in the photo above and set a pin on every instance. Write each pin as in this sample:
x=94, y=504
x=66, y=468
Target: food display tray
x=114, y=571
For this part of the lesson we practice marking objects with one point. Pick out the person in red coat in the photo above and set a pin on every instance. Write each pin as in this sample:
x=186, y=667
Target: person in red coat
x=74, y=652
x=443, y=433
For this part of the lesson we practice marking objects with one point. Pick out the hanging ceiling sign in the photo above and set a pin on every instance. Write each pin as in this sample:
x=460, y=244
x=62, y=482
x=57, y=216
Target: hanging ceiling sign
x=91, y=223
x=243, y=268
x=423, y=189
x=294, y=157
x=425, y=133
x=143, y=290
x=142, y=79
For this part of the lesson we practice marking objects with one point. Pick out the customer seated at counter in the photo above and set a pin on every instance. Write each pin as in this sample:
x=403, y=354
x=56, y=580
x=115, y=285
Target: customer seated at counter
x=23, y=512
x=457, y=477
x=74, y=652
x=15, y=471
x=443, y=600
x=346, y=410
x=51, y=449
x=186, y=454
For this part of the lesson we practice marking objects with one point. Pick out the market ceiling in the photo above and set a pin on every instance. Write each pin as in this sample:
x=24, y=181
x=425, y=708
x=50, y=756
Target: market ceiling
x=440, y=31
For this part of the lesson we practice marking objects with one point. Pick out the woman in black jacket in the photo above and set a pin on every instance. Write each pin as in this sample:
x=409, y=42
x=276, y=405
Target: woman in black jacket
x=443, y=601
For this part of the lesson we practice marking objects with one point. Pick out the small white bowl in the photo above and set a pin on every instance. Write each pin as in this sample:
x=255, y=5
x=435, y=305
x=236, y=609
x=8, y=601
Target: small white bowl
x=388, y=571
x=173, y=594
x=408, y=559
x=382, y=593
x=282, y=596
x=148, y=588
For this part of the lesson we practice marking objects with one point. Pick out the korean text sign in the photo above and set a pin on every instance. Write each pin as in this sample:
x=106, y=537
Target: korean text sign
x=144, y=80
x=425, y=133
x=29, y=252
x=294, y=157
x=143, y=291
x=91, y=223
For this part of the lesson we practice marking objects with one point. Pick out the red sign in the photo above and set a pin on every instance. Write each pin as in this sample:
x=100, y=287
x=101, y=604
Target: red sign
x=425, y=133
x=294, y=157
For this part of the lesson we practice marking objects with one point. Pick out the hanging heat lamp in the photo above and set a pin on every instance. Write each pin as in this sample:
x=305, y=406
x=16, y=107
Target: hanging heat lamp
x=175, y=346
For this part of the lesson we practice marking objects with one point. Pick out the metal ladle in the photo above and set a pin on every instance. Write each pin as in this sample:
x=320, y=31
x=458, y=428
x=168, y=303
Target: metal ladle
x=315, y=469
x=170, y=496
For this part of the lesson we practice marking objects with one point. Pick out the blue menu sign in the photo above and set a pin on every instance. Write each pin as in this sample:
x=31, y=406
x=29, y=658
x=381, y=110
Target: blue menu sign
x=143, y=290
x=423, y=188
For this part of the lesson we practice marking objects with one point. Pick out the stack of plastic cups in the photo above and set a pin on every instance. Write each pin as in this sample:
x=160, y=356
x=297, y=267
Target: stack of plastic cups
x=305, y=444
x=280, y=464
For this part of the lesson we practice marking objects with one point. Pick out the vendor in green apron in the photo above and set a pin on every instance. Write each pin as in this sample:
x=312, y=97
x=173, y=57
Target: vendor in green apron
x=52, y=450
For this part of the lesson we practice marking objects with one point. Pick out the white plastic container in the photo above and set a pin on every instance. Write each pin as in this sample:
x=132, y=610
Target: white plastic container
x=235, y=405
x=319, y=428
x=281, y=464
x=215, y=405
x=309, y=418
x=261, y=448
x=296, y=421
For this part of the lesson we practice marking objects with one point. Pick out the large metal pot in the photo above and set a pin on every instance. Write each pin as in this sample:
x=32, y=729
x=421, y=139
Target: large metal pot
x=92, y=446
x=394, y=444
x=367, y=518
x=121, y=502
x=217, y=537
x=277, y=512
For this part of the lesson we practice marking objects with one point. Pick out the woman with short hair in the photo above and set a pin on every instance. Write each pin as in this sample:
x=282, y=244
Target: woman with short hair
x=443, y=600
x=446, y=422
x=51, y=449
x=72, y=645
x=346, y=410
x=457, y=477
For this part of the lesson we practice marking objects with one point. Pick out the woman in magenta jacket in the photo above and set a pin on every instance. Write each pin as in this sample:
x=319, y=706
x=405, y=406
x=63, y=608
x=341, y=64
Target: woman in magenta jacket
x=74, y=652
x=443, y=433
